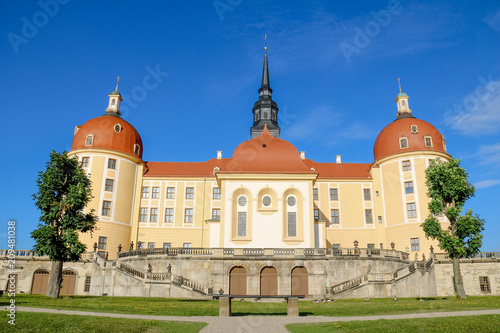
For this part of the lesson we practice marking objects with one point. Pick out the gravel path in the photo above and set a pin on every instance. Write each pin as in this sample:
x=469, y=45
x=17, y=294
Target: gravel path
x=260, y=323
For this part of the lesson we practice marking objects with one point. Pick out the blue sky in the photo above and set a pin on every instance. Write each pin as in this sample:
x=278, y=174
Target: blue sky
x=333, y=68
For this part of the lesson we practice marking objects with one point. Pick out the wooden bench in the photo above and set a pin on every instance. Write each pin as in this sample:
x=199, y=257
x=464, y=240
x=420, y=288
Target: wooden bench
x=225, y=302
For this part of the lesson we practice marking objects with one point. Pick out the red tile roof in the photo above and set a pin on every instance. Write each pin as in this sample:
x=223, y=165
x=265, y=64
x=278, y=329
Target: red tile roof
x=340, y=171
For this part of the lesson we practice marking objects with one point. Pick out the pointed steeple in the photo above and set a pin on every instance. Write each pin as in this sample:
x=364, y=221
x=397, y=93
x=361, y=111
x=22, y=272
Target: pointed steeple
x=114, y=101
x=265, y=110
x=403, y=106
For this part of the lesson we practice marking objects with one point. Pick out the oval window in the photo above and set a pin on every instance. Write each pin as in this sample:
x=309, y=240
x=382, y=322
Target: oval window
x=291, y=201
x=266, y=201
x=242, y=201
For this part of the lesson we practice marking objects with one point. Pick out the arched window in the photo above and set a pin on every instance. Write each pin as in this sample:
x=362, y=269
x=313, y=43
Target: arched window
x=291, y=216
x=242, y=216
x=269, y=281
x=266, y=115
x=299, y=281
x=89, y=141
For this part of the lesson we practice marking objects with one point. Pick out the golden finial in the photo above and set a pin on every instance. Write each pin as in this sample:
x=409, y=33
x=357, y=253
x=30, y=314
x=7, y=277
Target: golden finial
x=399, y=82
x=265, y=41
x=117, y=82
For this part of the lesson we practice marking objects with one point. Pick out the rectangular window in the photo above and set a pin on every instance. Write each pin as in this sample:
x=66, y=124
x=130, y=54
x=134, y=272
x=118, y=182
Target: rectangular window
x=316, y=214
x=154, y=215
x=89, y=141
x=85, y=162
x=334, y=194
x=315, y=194
x=167, y=245
x=186, y=245
x=102, y=243
x=169, y=215
x=409, y=187
x=380, y=219
x=216, y=193
x=406, y=166
x=242, y=223
x=368, y=216
x=87, y=283
x=484, y=284
x=428, y=141
x=336, y=248
x=156, y=193
x=412, y=210
x=367, y=194
x=109, y=185
x=145, y=192
x=381, y=246
x=415, y=244
x=144, y=215
x=188, y=217
x=106, y=208
x=370, y=246
x=151, y=245
x=403, y=143
x=216, y=213
x=292, y=224
x=170, y=192
x=111, y=163
x=189, y=192
x=334, y=216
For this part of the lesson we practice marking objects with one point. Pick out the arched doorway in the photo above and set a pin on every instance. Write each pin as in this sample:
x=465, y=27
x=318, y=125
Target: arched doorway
x=238, y=281
x=68, y=283
x=299, y=281
x=269, y=281
x=40, y=282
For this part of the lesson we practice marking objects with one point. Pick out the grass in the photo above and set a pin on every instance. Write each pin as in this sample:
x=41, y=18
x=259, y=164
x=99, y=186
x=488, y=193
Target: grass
x=49, y=322
x=178, y=307
x=484, y=323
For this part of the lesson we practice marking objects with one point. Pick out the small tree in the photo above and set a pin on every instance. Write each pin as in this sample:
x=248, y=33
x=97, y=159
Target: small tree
x=449, y=189
x=63, y=192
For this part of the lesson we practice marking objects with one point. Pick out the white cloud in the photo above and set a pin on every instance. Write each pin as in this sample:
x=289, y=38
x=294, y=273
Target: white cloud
x=488, y=154
x=479, y=112
x=487, y=183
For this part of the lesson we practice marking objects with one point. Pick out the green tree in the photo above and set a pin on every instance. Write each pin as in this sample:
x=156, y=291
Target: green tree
x=449, y=189
x=63, y=192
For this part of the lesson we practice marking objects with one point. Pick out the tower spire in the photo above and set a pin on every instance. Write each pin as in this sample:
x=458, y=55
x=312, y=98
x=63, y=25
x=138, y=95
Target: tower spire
x=114, y=101
x=265, y=110
x=399, y=82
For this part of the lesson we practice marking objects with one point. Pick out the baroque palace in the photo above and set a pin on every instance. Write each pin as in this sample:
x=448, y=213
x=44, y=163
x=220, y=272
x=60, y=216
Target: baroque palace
x=266, y=221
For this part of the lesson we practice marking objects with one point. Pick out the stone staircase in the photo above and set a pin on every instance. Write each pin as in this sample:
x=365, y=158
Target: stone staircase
x=380, y=278
x=177, y=280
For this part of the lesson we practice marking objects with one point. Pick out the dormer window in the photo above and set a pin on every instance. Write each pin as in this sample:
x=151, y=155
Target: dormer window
x=118, y=128
x=216, y=169
x=428, y=141
x=89, y=141
x=403, y=143
x=444, y=145
x=414, y=129
x=137, y=149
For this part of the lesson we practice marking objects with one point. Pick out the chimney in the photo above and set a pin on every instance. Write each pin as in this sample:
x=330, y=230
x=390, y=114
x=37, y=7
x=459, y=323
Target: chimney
x=303, y=155
x=219, y=154
x=338, y=159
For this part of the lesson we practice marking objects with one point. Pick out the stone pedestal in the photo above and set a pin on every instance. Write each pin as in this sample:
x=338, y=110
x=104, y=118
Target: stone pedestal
x=293, y=306
x=224, y=307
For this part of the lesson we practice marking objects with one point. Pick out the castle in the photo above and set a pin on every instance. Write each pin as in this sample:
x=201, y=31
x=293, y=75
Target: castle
x=265, y=221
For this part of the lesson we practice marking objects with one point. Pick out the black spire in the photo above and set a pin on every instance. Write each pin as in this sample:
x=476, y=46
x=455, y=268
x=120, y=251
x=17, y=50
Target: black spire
x=265, y=110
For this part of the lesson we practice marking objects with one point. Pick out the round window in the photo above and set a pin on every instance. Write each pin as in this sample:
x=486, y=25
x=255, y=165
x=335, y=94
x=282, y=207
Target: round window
x=291, y=201
x=242, y=201
x=414, y=129
x=118, y=128
x=266, y=201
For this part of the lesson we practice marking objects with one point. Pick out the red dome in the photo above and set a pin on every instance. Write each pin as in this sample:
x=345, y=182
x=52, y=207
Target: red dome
x=268, y=154
x=110, y=132
x=415, y=130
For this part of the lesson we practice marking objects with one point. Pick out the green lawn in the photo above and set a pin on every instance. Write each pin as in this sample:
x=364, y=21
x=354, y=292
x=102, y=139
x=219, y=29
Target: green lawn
x=178, y=307
x=49, y=322
x=467, y=324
